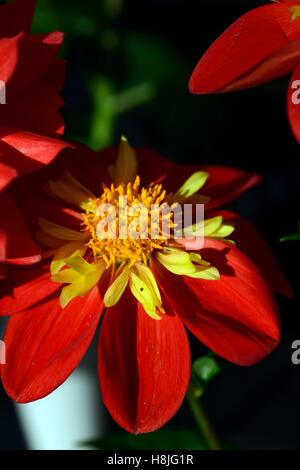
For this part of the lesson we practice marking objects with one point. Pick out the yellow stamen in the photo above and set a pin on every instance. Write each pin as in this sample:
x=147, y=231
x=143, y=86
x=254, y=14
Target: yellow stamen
x=81, y=257
x=116, y=249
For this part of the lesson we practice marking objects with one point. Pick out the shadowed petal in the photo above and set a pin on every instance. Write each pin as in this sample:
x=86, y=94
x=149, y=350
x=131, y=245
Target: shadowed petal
x=16, y=16
x=236, y=316
x=223, y=185
x=24, y=287
x=249, y=240
x=21, y=249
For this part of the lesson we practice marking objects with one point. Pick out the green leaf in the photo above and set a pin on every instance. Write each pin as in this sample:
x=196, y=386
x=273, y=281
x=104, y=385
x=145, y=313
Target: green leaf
x=182, y=438
x=293, y=236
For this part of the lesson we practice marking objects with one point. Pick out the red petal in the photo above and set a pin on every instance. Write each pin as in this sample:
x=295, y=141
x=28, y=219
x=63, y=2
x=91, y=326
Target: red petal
x=223, y=185
x=9, y=57
x=45, y=344
x=255, y=49
x=144, y=366
x=153, y=167
x=16, y=16
x=54, y=76
x=42, y=122
x=250, y=241
x=39, y=97
x=88, y=167
x=237, y=316
x=52, y=211
x=293, y=103
x=36, y=54
x=24, y=287
x=20, y=247
x=22, y=152
x=3, y=244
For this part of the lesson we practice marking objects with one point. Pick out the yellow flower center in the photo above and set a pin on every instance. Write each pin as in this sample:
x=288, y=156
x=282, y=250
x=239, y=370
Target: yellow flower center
x=121, y=229
x=129, y=207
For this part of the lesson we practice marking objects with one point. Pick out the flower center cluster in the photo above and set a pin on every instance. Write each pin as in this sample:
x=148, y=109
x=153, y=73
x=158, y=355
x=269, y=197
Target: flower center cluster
x=109, y=221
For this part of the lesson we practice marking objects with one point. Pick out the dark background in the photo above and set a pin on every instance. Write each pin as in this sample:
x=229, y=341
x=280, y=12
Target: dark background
x=127, y=73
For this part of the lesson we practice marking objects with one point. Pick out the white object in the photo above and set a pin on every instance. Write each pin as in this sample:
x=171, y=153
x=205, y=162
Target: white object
x=67, y=417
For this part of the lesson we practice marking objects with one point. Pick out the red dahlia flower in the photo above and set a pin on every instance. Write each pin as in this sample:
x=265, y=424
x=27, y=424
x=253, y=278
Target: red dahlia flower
x=262, y=45
x=151, y=288
x=30, y=125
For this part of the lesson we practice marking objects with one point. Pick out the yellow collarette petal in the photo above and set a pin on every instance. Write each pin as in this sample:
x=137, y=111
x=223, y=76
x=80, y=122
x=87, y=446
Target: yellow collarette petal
x=81, y=277
x=64, y=252
x=68, y=189
x=295, y=11
x=45, y=239
x=190, y=187
x=204, y=228
x=223, y=231
x=58, y=231
x=125, y=169
x=187, y=264
x=116, y=289
x=212, y=228
x=79, y=287
x=143, y=286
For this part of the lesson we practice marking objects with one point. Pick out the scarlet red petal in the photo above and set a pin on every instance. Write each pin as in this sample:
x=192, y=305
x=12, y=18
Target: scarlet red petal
x=16, y=16
x=144, y=366
x=249, y=240
x=153, y=167
x=3, y=244
x=38, y=97
x=54, y=76
x=223, y=185
x=52, y=211
x=90, y=168
x=43, y=122
x=45, y=344
x=21, y=249
x=9, y=57
x=293, y=103
x=254, y=49
x=237, y=316
x=36, y=54
x=22, y=152
x=24, y=287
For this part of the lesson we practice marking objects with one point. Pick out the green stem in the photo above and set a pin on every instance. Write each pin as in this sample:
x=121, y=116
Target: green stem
x=201, y=418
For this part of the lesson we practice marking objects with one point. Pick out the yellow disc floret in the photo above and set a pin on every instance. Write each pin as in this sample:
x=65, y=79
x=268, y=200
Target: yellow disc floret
x=117, y=246
x=121, y=229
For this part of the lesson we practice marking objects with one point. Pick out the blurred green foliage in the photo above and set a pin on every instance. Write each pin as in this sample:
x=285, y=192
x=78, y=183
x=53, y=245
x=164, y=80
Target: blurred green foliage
x=292, y=237
x=181, y=438
x=118, y=67
x=205, y=368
